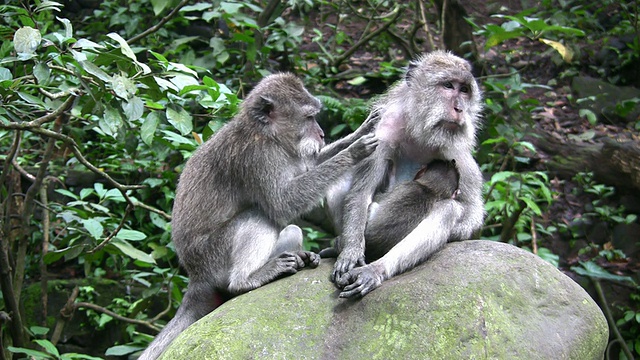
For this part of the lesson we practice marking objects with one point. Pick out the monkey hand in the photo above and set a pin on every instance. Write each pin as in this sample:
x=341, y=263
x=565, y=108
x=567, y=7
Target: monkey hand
x=369, y=125
x=363, y=147
x=361, y=280
x=349, y=258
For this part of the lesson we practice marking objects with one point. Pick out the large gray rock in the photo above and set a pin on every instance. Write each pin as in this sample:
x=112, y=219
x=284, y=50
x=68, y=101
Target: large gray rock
x=472, y=300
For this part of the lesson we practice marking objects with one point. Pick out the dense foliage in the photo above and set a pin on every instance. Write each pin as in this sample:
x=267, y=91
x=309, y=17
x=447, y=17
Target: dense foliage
x=97, y=116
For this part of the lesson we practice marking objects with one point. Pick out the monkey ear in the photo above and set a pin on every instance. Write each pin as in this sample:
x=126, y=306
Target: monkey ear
x=409, y=74
x=262, y=111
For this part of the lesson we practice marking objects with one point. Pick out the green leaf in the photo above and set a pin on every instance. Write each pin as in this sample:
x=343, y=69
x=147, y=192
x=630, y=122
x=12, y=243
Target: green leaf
x=501, y=176
x=34, y=353
x=124, y=47
x=94, y=227
x=41, y=72
x=532, y=205
x=148, y=129
x=67, y=193
x=121, y=350
x=39, y=330
x=357, y=81
x=123, y=87
x=131, y=251
x=179, y=118
x=133, y=235
x=48, y=346
x=230, y=8
x=590, y=115
x=69, y=253
x=133, y=109
x=160, y=5
x=26, y=40
x=591, y=269
x=5, y=74
x=68, y=28
x=92, y=69
x=111, y=122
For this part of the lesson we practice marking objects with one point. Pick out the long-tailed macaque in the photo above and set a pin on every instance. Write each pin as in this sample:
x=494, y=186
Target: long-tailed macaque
x=241, y=189
x=433, y=113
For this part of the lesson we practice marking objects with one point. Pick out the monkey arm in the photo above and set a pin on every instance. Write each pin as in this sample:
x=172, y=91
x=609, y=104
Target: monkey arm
x=427, y=238
x=367, y=127
x=368, y=176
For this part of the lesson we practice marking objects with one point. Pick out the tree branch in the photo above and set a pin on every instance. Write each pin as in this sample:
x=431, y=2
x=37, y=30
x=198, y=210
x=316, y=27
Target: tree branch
x=157, y=27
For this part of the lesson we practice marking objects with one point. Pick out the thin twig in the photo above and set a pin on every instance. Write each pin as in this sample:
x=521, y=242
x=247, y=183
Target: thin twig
x=339, y=59
x=114, y=232
x=423, y=13
x=114, y=315
x=157, y=27
x=610, y=320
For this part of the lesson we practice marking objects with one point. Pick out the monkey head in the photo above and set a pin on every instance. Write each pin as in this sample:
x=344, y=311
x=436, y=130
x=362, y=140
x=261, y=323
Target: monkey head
x=282, y=110
x=437, y=103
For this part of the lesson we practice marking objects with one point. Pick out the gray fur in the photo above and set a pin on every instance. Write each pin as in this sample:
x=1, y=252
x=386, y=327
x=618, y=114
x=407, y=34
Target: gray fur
x=242, y=187
x=433, y=113
x=414, y=199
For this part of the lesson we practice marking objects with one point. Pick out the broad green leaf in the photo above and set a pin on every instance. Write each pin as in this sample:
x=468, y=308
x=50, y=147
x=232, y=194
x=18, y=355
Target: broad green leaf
x=359, y=80
x=196, y=7
x=34, y=353
x=165, y=84
x=26, y=40
x=175, y=138
x=133, y=235
x=5, y=74
x=179, y=118
x=41, y=72
x=48, y=346
x=87, y=44
x=69, y=253
x=123, y=87
x=67, y=193
x=133, y=109
x=532, y=205
x=590, y=115
x=181, y=81
x=159, y=5
x=121, y=350
x=131, y=251
x=94, y=227
x=39, y=330
x=148, y=128
x=68, y=28
x=111, y=122
x=501, y=176
x=230, y=8
x=95, y=71
x=74, y=356
x=124, y=47
x=591, y=269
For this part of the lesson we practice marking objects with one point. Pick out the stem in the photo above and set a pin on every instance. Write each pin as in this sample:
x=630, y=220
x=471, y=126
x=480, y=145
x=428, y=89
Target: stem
x=157, y=27
x=610, y=321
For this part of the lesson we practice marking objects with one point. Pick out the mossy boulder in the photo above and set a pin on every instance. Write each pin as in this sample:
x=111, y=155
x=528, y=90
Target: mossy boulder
x=473, y=299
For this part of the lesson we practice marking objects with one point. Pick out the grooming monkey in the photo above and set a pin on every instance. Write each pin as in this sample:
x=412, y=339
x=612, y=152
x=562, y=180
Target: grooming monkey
x=242, y=187
x=433, y=113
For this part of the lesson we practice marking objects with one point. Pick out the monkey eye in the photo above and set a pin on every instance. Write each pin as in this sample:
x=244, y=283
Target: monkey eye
x=311, y=118
x=448, y=85
x=464, y=89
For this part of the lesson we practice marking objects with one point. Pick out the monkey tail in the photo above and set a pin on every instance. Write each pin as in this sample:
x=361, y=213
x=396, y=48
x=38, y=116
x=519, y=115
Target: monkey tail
x=195, y=305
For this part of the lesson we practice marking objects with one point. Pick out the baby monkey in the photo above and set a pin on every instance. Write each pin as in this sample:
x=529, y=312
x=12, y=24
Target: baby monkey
x=439, y=180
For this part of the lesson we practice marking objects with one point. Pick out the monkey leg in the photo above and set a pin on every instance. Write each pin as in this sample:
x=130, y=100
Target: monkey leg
x=256, y=258
x=290, y=240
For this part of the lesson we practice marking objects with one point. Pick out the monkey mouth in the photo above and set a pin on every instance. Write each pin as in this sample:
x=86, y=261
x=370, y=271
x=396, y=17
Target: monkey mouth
x=451, y=125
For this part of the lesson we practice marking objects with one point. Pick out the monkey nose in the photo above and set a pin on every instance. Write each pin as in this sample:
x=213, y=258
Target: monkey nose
x=458, y=110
